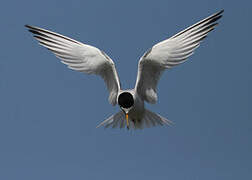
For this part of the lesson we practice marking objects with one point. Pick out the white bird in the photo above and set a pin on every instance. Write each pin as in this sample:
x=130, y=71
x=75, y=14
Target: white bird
x=163, y=55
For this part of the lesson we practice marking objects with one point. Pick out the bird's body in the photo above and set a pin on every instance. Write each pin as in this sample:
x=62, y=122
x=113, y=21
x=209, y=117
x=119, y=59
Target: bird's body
x=138, y=116
x=164, y=55
x=136, y=112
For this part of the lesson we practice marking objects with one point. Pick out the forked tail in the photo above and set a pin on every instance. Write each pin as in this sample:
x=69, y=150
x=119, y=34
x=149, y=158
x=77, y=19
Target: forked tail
x=150, y=119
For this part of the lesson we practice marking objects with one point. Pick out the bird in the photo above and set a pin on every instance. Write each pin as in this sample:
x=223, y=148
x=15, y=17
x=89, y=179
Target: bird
x=163, y=55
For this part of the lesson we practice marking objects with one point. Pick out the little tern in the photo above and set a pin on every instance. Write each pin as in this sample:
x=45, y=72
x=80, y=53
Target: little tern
x=163, y=55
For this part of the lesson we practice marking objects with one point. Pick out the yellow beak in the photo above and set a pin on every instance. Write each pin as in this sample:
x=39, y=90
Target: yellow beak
x=127, y=120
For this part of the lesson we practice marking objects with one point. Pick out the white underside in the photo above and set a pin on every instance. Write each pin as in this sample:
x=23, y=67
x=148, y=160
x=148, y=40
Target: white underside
x=149, y=119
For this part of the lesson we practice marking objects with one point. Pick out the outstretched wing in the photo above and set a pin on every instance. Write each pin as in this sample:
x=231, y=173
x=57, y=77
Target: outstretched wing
x=169, y=53
x=80, y=57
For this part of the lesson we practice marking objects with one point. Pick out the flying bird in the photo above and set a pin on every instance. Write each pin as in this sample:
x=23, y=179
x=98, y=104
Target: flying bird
x=163, y=55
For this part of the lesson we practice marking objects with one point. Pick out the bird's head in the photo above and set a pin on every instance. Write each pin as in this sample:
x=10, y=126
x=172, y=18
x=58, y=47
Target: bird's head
x=126, y=102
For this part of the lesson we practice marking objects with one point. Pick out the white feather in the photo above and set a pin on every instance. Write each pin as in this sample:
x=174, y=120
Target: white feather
x=80, y=57
x=149, y=119
x=163, y=55
x=169, y=53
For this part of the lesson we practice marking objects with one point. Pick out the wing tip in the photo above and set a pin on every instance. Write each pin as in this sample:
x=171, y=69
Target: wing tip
x=29, y=26
x=218, y=13
x=221, y=11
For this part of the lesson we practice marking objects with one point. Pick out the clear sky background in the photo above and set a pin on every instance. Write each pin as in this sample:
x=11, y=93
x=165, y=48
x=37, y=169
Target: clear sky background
x=48, y=113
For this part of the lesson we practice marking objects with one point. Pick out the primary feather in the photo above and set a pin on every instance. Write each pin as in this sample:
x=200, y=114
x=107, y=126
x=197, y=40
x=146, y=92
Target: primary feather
x=80, y=57
x=169, y=53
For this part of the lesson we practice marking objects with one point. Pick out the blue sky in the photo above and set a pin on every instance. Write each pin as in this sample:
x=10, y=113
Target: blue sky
x=49, y=113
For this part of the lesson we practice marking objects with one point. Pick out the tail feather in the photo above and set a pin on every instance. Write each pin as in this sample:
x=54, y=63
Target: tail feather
x=149, y=119
x=156, y=119
x=113, y=121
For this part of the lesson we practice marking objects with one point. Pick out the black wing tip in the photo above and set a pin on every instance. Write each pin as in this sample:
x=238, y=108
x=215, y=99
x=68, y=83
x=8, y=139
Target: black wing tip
x=214, y=19
x=221, y=11
x=28, y=26
x=33, y=31
x=218, y=15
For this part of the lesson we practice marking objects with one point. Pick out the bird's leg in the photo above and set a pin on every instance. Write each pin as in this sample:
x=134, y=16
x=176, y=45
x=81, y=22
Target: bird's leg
x=127, y=120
